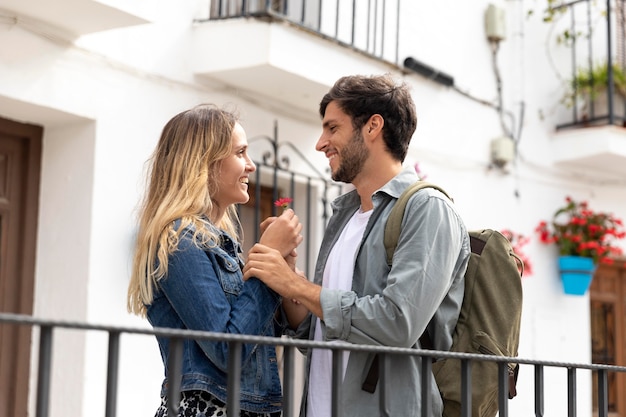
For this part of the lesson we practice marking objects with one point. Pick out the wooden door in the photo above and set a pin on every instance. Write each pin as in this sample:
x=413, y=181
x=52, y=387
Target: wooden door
x=608, y=331
x=20, y=154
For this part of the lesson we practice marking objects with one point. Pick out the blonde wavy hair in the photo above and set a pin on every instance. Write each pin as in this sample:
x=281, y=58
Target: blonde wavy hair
x=181, y=181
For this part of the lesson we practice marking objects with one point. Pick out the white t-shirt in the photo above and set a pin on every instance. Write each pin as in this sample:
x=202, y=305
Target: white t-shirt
x=338, y=274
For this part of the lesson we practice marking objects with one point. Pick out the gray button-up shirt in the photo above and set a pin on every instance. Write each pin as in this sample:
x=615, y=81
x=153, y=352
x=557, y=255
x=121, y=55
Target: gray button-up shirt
x=392, y=306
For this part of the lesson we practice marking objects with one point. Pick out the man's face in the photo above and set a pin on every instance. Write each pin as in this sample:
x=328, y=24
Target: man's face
x=343, y=146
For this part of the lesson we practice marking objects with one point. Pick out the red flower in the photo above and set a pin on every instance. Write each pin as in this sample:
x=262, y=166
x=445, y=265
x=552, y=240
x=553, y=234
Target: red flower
x=579, y=231
x=283, y=202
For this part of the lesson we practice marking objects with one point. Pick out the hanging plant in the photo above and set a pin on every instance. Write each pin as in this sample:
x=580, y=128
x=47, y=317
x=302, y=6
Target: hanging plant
x=589, y=84
x=579, y=231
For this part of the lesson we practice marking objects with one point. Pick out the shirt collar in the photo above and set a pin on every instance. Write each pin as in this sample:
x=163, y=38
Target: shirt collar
x=393, y=188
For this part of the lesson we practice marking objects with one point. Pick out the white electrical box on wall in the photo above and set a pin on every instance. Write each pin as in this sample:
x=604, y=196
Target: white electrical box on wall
x=495, y=25
x=502, y=151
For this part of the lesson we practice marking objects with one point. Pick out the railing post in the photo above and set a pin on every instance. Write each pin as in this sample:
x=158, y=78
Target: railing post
x=539, y=391
x=337, y=21
x=503, y=389
x=307, y=259
x=573, y=50
x=466, y=388
x=427, y=374
x=276, y=166
x=43, y=379
x=609, y=63
x=336, y=383
x=174, y=373
x=382, y=30
x=375, y=24
x=257, y=205
x=234, y=378
x=112, y=372
x=571, y=392
x=353, y=22
x=288, y=375
x=603, y=399
x=397, y=60
x=383, y=387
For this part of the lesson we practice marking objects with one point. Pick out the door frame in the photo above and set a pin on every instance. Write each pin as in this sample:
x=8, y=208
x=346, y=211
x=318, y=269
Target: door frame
x=608, y=290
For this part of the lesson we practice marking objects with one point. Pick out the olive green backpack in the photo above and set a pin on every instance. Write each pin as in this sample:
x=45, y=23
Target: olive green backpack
x=489, y=321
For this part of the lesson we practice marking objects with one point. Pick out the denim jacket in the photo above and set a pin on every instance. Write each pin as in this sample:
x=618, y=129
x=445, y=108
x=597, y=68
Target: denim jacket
x=204, y=290
x=393, y=305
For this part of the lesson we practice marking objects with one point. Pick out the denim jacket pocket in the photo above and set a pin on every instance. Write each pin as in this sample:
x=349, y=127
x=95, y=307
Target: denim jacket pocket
x=230, y=274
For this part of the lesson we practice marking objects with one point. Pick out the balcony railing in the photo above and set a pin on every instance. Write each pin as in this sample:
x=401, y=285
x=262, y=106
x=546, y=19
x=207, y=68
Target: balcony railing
x=369, y=27
x=49, y=327
x=594, y=32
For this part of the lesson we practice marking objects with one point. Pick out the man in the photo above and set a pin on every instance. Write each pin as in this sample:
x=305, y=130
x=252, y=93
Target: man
x=356, y=297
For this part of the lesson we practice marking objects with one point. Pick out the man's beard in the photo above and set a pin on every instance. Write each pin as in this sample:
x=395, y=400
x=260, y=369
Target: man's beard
x=353, y=158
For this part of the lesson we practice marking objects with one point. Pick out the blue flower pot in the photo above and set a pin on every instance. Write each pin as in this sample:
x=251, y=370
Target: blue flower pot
x=576, y=274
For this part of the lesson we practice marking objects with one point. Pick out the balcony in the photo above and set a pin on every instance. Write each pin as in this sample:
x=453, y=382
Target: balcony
x=597, y=149
x=282, y=54
x=591, y=135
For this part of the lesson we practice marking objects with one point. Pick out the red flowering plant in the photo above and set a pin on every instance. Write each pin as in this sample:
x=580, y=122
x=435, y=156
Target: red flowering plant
x=580, y=231
x=518, y=241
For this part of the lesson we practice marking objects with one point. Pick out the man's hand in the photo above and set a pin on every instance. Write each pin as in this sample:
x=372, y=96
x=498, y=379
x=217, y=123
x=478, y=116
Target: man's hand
x=270, y=266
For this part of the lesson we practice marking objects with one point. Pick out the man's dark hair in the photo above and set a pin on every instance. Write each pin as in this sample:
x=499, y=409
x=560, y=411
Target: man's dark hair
x=360, y=97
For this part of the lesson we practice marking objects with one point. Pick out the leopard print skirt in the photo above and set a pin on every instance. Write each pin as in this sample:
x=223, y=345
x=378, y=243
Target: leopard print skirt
x=203, y=404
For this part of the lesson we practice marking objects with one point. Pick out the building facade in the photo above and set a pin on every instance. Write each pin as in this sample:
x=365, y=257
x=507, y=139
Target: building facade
x=86, y=87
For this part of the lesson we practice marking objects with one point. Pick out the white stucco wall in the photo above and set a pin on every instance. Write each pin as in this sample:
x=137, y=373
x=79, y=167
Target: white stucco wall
x=104, y=98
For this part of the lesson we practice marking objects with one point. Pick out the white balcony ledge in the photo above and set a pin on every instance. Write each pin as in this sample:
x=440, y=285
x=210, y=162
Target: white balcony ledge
x=600, y=149
x=72, y=17
x=275, y=62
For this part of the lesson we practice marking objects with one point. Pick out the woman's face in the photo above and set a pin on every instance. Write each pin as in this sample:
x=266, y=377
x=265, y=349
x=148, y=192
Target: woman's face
x=232, y=181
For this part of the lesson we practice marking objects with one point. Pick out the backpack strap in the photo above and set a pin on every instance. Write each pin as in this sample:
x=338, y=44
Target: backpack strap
x=394, y=221
x=391, y=236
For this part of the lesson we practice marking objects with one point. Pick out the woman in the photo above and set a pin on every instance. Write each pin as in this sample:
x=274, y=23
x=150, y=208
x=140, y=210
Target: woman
x=187, y=264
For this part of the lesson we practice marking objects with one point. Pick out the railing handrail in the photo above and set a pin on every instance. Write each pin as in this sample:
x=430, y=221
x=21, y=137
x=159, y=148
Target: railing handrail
x=235, y=341
x=298, y=343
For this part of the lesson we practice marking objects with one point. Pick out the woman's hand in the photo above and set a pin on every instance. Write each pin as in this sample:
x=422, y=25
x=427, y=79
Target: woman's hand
x=282, y=233
x=266, y=223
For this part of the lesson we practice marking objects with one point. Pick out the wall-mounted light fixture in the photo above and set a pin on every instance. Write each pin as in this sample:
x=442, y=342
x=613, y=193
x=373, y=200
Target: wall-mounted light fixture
x=428, y=72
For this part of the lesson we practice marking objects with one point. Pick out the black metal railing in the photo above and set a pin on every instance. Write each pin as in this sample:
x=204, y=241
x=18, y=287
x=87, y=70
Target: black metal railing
x=596, y=85
x=49, y=327
x=370, y=27
x=309, y=187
